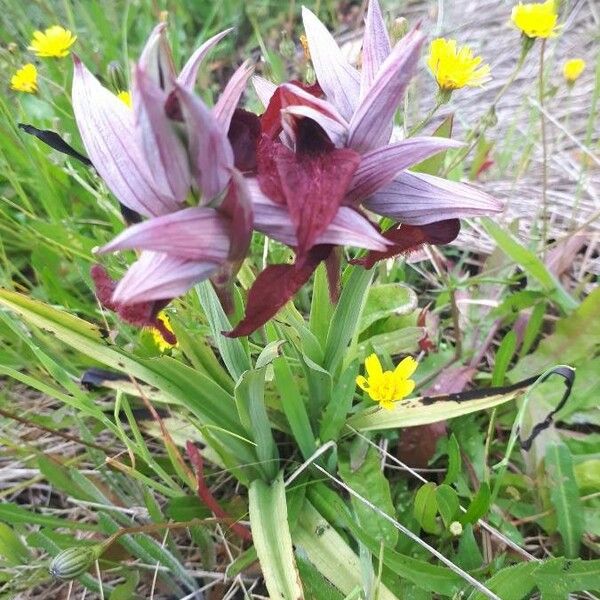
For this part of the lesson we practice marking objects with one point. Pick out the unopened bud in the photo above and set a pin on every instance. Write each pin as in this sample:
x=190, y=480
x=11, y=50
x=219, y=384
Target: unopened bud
x=286, y=47
x=73, y=562
x=455, y=528
x=115, y=77
x=399, y=29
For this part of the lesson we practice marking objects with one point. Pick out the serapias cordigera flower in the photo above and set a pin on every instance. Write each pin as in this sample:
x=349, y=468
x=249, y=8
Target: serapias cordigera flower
x=54, y=42
x=25, y=79
x=167, y=152
x=324, y=153
x=387, y=387
x=536, y=19
x=455, y=67
x=572, y=69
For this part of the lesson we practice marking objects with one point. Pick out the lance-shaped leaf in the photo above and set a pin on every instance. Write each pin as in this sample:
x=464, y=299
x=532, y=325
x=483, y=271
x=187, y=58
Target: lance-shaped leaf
x=107, y=129
x=159, y=276
x=379, y=167
x=337, y=77
x=348, y=227
x=187, y=76
x=195, y=233
x=210, y=150
x=229, y=98
x=156, y=59
x=264, y=89
x=418, y=199
x=371, y=124
x=376, y=46
x=162, y=147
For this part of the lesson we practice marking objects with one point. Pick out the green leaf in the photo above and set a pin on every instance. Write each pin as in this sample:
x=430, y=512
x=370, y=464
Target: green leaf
x=478, y=506
x=564, y=496
x=401, y=341
x=315, y=585
x=469, y=556
x=12, y=549
x=57, y=475
x=425, y=508
x=433, y=164
x=531, y=264
x=561, y=576
x=12, y=513
x=533, y=328
x=339, y=406
x=447, y=503
x=454, y=460
x=422, y=411
x=271, y=535
x=510, y=583
x=321, y=308
x=504, y=355
x=386, y=300
x=369, y=481
x=126, y=590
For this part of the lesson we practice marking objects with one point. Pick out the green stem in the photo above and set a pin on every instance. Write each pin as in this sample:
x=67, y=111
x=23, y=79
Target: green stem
x=544, y=154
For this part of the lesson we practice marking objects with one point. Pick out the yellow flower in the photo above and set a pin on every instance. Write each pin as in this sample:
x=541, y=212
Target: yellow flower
x=454, y=68
x=55, y=41
x=159, y=340
x=536, y=19
x=25, y=79
x=573, y=68
x=387, y=387
x=125, y=97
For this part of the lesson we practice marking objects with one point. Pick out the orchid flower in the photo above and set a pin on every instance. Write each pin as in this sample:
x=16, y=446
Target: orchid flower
x=325, y=151
x=169, y=160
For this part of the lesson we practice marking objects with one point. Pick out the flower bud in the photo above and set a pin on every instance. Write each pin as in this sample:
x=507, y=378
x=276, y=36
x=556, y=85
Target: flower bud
x=399, y=29
x=455, y=528
x=73, y=562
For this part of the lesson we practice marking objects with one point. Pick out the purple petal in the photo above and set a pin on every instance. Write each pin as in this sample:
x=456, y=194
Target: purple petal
x=348, y=227
x=264, y=89
x=337, y=77
x=371, y=124
x=376, y=46
x=228, y=100
x=107, y=130
x=156, y=59
x=158, y=276
x=379, y=167
x=164, y=151
x=419, y=199
x=195, y=233
x=336, y=131
x=210, y=150
x=187, y=77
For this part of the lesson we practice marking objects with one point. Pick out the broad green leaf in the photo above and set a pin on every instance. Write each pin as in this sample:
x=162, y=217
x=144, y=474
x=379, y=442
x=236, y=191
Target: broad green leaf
x=232, y=350
x=503, y=357
x=321, y=308
x=425, y=508
x=454, y=460
x=402, y=341
x=469, y=555
x=12, y=513
x=421, y=411
x=346, y=317
x=531, y=264
x=329, y=553
x=564, y=496
x=510, y=583
x=433, y=164
x=561, y=576
x=271, y=535
x=126, y=590
x=339, y=406
x=12, y=549
x=478, y=506
x=369, y=481
x=315, y=585
x=386, y=300
x=447, y=503
x=533, y=328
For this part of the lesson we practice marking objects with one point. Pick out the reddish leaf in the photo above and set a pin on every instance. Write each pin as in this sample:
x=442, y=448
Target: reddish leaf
x=274, y=287
x=408, y=238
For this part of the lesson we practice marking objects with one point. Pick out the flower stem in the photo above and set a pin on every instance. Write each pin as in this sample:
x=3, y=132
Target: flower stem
x=419, y=126
x=544, y=153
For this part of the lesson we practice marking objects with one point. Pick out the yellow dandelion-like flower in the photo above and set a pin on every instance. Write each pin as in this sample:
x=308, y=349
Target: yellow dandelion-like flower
x=572, y=69
x=536, y=20
x=387, y=387
x=54, y=42
x=455, y=67
x=125, y=97
x=25, y=79
x=162, y=344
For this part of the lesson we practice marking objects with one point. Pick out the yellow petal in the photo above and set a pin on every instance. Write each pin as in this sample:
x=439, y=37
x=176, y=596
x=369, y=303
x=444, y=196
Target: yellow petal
x=404, y=388
x=406, y=368
x=373, y=366
x=362, y=383
x=387, y=404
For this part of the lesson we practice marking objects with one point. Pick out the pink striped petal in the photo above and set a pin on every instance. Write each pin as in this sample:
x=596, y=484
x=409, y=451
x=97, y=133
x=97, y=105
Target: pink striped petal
x=158, y=276
x=164, y=151
x=210, y=150
x=337, y=77
x=420, y=199
x=348, y=227
x=229, y=98
x=371, y=124
x=336, y=131
x=195, y=233
x=107, y=130
x=187, y=76
x=264, y=89
x=376, y=46
x=156, y=58
x=379, y=167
